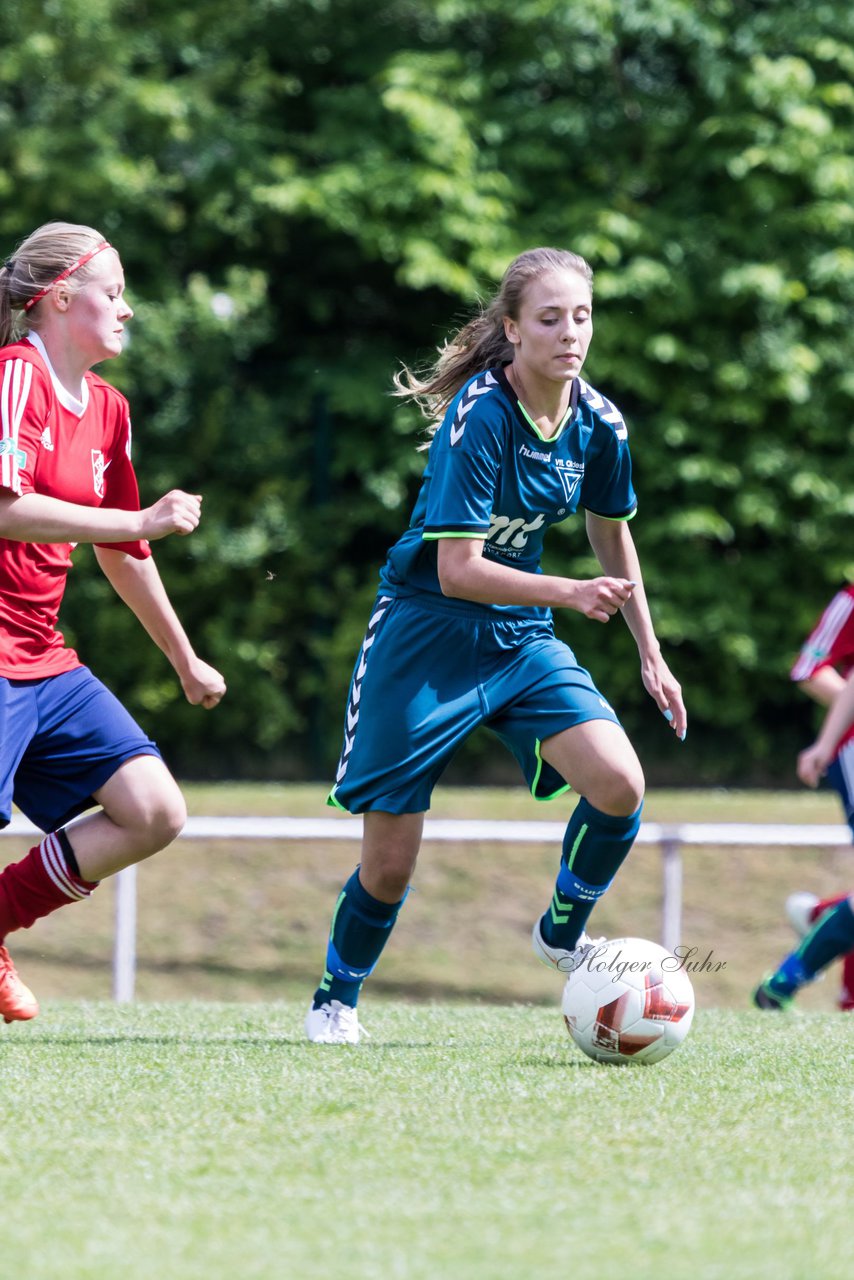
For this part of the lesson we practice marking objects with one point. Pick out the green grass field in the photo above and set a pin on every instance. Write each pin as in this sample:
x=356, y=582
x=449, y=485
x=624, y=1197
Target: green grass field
x=463, y=1142
x=194, y=1135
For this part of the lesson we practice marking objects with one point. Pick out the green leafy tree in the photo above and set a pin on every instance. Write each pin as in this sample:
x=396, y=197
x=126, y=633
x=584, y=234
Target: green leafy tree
x=306, y=193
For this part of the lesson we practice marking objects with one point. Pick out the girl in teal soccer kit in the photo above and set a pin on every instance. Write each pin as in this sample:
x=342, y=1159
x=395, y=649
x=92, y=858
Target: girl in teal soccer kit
x=461, y=632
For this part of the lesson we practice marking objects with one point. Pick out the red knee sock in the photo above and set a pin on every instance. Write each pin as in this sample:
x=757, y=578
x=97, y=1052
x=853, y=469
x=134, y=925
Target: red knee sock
x=846, y=990
x=46, y=879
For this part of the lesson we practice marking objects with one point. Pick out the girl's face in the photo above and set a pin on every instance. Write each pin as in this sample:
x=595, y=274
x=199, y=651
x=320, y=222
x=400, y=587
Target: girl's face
x=552, y=332
x=96, y=312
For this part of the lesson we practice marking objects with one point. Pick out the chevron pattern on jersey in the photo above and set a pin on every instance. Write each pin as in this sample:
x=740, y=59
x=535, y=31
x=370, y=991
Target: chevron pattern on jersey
x=478, y=387
x=352, y=716
x=607, y=411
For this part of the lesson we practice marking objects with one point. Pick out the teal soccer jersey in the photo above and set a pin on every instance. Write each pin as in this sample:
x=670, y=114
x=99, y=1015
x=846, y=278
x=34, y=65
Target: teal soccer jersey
x=492, y=476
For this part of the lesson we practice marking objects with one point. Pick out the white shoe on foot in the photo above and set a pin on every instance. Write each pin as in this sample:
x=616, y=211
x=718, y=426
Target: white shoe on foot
x=799, y=909
x=561, y=958
x=333, y=1023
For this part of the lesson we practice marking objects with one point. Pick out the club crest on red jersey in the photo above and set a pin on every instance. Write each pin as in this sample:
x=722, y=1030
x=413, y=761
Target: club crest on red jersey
x=98, y=469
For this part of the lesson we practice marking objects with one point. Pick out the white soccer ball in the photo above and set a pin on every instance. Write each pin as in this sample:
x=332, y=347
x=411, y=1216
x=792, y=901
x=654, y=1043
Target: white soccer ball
x=629, y=1000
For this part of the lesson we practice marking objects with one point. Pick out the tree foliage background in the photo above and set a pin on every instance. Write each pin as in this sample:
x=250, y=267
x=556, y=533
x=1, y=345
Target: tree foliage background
x=306, y=193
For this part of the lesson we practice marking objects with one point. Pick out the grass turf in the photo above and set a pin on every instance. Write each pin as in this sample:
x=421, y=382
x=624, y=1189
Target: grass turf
x=469, y=1142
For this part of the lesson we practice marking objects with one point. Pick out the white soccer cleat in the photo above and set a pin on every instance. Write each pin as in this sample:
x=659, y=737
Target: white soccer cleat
x=799, y=909
x=333, y=1023
x=565, y=961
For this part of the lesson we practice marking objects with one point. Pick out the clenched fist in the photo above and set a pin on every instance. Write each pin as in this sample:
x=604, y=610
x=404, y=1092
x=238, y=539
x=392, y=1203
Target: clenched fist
x=175, y=512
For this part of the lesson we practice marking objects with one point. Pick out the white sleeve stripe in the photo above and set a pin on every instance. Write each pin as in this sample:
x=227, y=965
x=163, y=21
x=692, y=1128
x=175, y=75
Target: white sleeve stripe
x=821, y=640
x=23, y=372
x=6, y=425
x=17, y=380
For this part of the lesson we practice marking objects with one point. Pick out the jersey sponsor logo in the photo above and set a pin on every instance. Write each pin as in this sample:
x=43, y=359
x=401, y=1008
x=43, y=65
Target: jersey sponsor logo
x=99, y=466
x=477, y=389
x=46, y=440
x=504, y=532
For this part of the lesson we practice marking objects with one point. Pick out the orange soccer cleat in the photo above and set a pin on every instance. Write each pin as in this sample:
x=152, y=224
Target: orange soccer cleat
x=17, y=1002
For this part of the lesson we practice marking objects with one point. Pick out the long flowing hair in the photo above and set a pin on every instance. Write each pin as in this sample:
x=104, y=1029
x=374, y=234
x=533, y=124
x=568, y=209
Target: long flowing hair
x=481, y=343
x=35, y=264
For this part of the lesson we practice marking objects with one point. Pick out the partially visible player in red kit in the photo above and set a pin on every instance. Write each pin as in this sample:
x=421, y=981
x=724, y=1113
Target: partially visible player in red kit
x=822, y=667
x=66, y=743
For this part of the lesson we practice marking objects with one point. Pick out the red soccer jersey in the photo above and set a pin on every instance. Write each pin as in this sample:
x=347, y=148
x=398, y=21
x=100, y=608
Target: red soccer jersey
x=76, y=450
x=830, y=644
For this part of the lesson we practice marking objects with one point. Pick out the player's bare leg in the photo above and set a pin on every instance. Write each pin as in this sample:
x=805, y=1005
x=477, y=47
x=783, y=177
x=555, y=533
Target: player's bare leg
x=362, y=922
x=600, y=764
x=390, y=845
x=143, y=810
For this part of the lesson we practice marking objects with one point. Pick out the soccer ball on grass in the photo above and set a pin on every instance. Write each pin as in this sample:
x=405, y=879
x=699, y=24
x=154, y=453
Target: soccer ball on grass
x=629, y=1000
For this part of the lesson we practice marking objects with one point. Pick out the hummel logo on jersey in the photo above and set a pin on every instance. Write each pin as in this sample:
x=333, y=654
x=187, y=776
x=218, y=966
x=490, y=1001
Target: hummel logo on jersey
x=532, y=453
x=46, y=440
x=477, y=388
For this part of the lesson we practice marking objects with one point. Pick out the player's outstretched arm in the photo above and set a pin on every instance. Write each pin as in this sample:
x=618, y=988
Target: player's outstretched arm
x=36, y=517
x=466, y=574
x=825, y=685
x=614, y=547
x=138, y=583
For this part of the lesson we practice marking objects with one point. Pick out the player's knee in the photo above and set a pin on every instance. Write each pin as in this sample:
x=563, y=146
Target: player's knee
x=169, y=820
x=620, y=792
x=386, y=874
x=159, y=818
x=388, y=881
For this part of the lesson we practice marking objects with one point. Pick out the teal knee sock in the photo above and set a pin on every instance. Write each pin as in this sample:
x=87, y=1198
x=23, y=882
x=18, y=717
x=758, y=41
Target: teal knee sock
x=832, y=935
x=361, y=926
x=594, y=847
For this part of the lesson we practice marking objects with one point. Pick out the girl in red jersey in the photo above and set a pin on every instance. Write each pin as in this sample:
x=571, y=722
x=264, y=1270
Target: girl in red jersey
x=830, y=933
x=66, y=743
x=825, y=661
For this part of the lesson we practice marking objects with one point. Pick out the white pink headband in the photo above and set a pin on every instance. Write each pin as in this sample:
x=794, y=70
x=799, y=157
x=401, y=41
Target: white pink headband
x=63, y=275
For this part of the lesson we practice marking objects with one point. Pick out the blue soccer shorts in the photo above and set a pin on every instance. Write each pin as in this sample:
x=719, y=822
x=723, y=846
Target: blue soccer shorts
x=61, y=738
x=427, y=677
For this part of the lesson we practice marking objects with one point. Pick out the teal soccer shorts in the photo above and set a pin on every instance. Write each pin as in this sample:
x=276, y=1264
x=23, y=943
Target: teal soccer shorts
x=427, y=676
